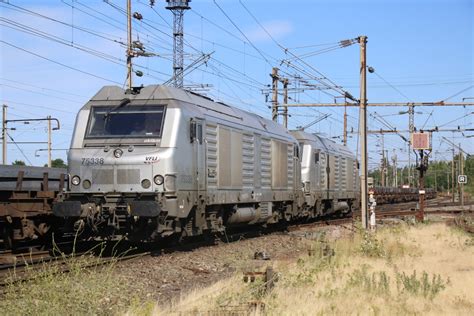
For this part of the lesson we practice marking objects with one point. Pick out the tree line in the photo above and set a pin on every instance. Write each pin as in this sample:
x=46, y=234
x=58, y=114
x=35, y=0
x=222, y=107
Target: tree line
x=55, y=163
x=439, y=174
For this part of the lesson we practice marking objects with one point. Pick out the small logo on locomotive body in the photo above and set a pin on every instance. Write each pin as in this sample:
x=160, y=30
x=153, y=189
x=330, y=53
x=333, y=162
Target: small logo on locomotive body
x=151, y=159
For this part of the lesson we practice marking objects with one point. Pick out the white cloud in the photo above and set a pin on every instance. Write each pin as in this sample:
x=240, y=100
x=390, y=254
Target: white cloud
x=278, y=29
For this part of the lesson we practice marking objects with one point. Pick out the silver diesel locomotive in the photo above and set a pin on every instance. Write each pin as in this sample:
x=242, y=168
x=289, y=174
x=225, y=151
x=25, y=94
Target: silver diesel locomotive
x=159, y=161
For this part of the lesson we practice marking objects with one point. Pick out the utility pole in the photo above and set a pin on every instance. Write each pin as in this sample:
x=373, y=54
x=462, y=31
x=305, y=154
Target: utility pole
x=49, y=140
x=452, y=176
x=129, y=44
x=394, y=170
x=274, y=76
x=4, y=134
x=285, y=100
x=344, y=139
x=178, y=7
x=363, y=128
x=382, y=164
x=461, y=171
x=411, y=128
x=447, y=181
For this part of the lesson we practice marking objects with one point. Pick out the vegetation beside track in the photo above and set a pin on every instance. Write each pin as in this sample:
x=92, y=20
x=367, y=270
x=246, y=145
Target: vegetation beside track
x=427, y=268
x=77, y=286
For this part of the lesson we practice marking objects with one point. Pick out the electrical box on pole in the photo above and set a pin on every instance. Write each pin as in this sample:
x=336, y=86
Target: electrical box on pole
x=420, y=141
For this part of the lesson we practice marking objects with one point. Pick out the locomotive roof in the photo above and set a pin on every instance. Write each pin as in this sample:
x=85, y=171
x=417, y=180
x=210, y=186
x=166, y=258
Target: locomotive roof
x=109, y=95
x=322, y=142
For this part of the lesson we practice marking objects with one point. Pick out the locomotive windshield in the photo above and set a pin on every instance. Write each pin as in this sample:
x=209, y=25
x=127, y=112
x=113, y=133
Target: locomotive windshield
x=130, y=122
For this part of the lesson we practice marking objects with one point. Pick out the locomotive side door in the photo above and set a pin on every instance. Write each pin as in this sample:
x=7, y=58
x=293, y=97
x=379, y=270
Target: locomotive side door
x=324, y=173
x=199, y=152
x=316, y=175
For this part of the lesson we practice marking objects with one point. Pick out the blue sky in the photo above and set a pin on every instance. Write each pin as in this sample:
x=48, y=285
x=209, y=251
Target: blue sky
x=421, y=51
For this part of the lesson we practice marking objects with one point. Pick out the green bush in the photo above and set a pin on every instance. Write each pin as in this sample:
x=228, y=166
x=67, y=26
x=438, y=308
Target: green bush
x=376, y=282
x=421, y=286
x=370, y=246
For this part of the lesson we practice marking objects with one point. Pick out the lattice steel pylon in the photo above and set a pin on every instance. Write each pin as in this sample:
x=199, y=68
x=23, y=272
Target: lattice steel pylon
x=178, y=7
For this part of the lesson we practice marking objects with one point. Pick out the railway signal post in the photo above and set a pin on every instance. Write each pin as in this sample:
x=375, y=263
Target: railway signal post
x=462, y=180
x=421, y=143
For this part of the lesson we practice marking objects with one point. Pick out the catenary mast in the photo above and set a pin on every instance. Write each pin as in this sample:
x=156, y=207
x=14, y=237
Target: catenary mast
x=178, y=7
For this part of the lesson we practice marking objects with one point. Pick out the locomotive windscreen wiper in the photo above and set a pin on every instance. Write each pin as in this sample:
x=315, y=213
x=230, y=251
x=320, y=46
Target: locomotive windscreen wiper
x=122, y=103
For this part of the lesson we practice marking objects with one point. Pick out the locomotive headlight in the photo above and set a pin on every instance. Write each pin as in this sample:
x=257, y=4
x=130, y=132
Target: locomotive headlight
x=170, y=183
x=146, y=183
x=118, y=153
x=86, y=184
x=158, y=179
x=75, y=180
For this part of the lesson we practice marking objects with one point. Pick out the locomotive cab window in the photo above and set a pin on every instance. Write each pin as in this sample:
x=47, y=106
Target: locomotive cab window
x=130, y=122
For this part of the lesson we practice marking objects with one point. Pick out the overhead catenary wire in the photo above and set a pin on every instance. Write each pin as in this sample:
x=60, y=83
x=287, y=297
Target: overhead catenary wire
x=23, y=28
x=110, y=58
x=59, y=63
x=88, y=31
x=39, y=93
x=122, y=11
x=106, y=17
x=286, y=50
x=218, y=26
x=57, y=109
x=43, y=88
x=96, y=53
x=239, y=85
x=388, y=125
x=243, y=34
x=120, y=27
x=85, y=30
x=145, y=25
x=458, y=93
x=393, y=87
x=426, y=121
x=456, y=119
x=213, y=59
x=313, y=45
x=186, y=43
x=415, y=84
x=26, y=157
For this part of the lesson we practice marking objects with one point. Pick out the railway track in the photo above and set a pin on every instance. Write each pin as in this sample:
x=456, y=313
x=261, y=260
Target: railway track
x=14, y=273
x=328, y=222
x=18, y=262
x=14, y=266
